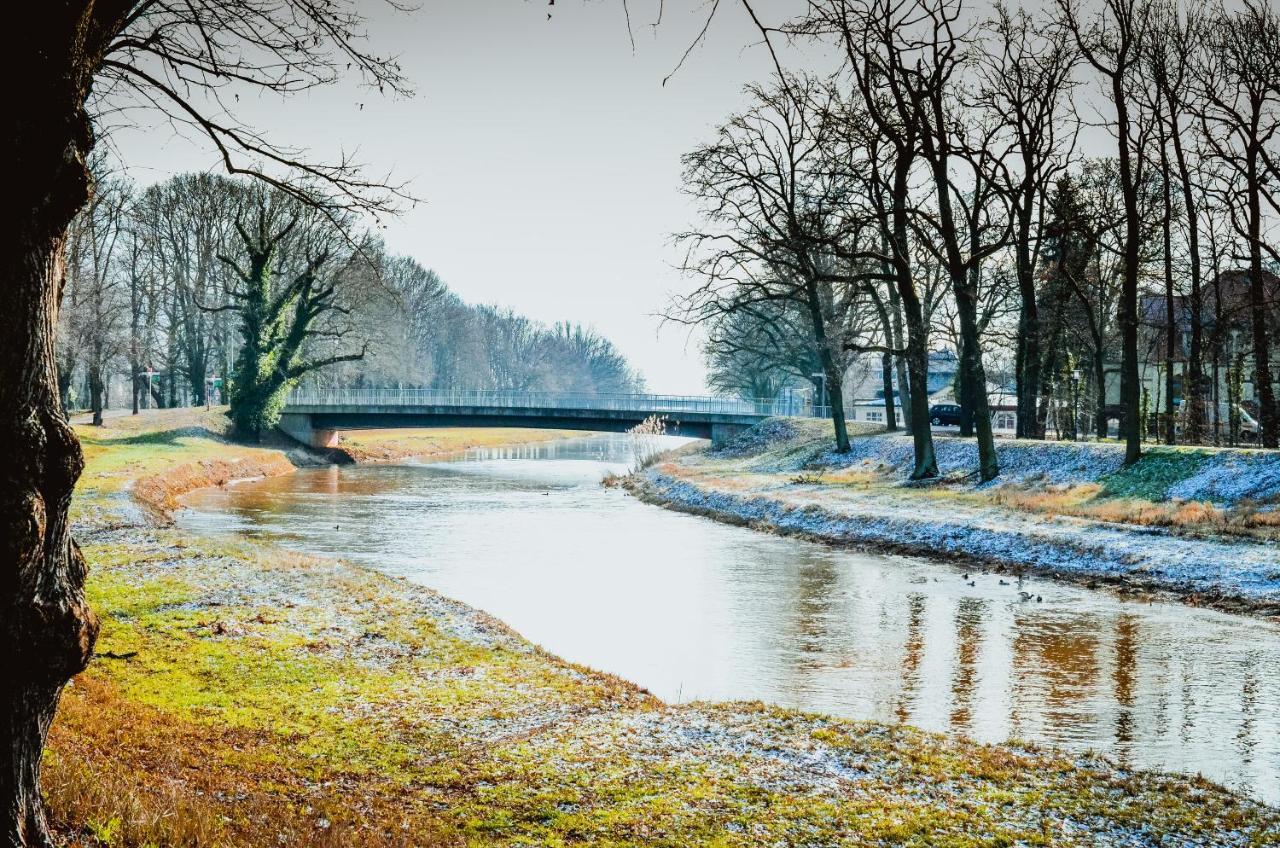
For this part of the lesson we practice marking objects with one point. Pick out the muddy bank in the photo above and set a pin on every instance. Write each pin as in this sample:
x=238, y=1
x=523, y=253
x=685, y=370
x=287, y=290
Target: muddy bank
x=159, y=493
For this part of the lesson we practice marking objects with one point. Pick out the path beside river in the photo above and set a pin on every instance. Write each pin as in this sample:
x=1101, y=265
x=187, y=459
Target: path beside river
x=244, y=695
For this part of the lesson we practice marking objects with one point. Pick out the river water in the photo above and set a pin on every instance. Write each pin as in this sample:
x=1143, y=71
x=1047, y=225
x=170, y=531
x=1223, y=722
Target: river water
x=692, y=609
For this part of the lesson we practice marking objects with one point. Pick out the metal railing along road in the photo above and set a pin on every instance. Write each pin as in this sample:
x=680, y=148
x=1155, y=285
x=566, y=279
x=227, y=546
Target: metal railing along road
x=654, y=404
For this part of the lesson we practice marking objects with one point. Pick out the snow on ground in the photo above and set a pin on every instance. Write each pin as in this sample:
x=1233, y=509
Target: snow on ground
x=1070, y=546
x=1222, y=476
x=1232, y=477
x=754, y=480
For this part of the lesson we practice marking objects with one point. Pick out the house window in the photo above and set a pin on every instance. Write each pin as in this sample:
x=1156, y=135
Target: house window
x=1006, y=420
x=875, y=415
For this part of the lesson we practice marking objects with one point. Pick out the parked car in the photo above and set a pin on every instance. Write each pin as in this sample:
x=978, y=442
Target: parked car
x=1249, y=430
x=944, y=414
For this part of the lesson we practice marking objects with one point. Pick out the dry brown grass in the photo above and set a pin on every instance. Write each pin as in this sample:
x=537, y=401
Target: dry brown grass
x=1194, y=517
x=854, y=477
x=123, y=774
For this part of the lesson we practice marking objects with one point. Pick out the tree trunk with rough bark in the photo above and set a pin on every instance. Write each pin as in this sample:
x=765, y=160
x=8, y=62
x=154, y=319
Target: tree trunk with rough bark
x=886, y=380
x=1132, y=425
x=47, y=629
x=96, y=395
x=916, y=407
x=964, y=385
x=1258, y=305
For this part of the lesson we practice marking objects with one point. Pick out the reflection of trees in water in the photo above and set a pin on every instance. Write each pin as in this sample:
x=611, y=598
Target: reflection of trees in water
x=969, y=615
x=1055, y=664
x=912, y=652
x=1123, y=673
x=1246, y=741
x=816, y=595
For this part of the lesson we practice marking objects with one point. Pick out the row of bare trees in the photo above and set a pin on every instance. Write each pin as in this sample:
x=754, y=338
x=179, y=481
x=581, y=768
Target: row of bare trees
x=203, y=285
x=1066, y=197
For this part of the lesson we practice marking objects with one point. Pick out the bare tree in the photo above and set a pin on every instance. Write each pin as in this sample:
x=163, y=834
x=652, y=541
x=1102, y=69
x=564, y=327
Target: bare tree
x=1171, y=72
x=783, y=224
x=923, y=63
x=1025, y=82
x=1111, y=42
x=873, y=35
x=96, y=324
x=1239, y=83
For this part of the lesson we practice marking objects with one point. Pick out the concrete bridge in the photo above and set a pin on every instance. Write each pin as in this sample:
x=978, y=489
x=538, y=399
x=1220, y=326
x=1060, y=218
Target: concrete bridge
x=315, y=416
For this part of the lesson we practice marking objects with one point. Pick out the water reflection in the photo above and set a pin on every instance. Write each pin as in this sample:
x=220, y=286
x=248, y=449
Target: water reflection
x=693, y=609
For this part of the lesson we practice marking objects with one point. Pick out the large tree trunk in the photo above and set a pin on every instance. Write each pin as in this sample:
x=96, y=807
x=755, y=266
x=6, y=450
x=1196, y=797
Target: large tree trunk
x=1029, y=370
x=926, y=462
x=134, y=390
x=975, y=381
x=964, y=386
x=95, y=394
x=1130, y=384
x=899, y=343
x=835, y=397
x=1258, y=313
x=886, y=380
x=47, y=628
x=1100, y=378
x=831, y=368
x=1028, y=350
x=917, y=343
x=886, y=364
x=1193, y=385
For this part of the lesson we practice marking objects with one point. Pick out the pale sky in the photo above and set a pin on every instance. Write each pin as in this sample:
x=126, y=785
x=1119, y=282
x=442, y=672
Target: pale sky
x=546, y=151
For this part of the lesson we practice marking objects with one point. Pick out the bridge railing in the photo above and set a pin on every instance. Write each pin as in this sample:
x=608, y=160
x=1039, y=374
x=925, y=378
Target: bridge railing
x=673, y=404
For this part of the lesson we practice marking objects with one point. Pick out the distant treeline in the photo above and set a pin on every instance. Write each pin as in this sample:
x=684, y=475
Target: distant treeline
x=201, y=287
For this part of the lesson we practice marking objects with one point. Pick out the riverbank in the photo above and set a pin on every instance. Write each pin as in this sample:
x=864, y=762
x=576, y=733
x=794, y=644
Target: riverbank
x=243, y=695
x=391, y=445
x=1199, y=524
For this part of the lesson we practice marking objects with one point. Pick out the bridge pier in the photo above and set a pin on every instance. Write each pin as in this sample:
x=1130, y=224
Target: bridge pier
x=298, y=426
x=722, y=434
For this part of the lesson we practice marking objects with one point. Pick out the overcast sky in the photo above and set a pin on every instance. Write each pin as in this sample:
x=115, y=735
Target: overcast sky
x=546, y=151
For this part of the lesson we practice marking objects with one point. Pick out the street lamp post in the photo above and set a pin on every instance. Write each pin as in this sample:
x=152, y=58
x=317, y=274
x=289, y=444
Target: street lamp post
x=149, y=374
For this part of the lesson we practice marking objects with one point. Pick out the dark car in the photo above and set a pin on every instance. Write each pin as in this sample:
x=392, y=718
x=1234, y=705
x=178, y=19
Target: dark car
x=944, y=414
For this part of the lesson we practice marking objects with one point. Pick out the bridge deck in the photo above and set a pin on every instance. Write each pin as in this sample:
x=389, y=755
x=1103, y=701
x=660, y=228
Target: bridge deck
x=315, y=416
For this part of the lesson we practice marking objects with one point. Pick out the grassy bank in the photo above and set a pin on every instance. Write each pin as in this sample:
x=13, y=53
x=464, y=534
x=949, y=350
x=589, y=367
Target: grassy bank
x=243, y=695
x=1198, y=523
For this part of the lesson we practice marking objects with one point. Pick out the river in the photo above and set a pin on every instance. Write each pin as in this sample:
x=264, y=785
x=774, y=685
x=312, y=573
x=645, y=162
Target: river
x=692, y=609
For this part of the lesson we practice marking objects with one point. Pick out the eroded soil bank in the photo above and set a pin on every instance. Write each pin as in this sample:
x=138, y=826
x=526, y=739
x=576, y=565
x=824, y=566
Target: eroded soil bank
x=1201, y=525
x=243, y=695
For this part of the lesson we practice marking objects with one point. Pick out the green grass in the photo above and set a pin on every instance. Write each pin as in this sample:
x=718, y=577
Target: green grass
x=1151, y=477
